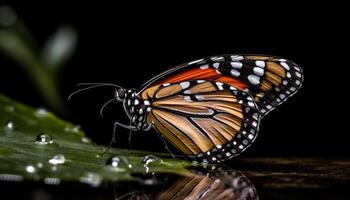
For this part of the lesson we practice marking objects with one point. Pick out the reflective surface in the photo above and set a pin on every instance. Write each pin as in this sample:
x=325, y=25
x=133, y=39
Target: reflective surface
x=262, y=178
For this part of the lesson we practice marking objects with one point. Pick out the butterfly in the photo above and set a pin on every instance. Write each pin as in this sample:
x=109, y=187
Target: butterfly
x=210, y=109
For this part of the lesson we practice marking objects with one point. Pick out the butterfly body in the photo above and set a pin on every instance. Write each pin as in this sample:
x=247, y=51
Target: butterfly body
x=210, y=109
x=136, y=108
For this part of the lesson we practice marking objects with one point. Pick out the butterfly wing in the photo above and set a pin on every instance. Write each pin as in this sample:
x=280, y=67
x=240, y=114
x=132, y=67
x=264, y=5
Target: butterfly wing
x=209, y=120
x=270, y=80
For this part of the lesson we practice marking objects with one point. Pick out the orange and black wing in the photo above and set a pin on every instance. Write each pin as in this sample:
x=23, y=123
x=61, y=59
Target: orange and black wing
x=269, y=79
x=208, y=120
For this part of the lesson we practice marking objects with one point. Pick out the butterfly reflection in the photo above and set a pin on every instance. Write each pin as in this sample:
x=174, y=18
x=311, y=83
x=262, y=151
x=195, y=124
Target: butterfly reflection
x=228, y=185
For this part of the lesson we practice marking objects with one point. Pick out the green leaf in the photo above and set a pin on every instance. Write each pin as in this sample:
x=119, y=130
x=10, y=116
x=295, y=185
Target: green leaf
x=27, y=153
x=59, y=47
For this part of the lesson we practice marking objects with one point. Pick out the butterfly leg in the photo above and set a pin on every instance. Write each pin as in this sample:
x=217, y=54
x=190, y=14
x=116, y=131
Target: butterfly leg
x=166, y=146
x=116, y=124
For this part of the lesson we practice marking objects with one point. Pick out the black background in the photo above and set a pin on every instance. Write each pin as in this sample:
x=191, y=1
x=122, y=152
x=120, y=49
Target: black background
x=129, y=44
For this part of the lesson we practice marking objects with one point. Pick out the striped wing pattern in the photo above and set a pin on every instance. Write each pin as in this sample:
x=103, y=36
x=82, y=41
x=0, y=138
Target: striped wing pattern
x=210, y=108
x=211, y=121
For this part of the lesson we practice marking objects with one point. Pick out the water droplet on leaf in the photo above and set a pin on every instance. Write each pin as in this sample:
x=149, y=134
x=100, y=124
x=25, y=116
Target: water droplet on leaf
x=43, y=139
x=151, y=158
x=85, y=140
x=57, y=160
x=118, y=163
x=41, y=112
x=91, y=178
x=9, y=126
x=147, y=160
x=30, y=169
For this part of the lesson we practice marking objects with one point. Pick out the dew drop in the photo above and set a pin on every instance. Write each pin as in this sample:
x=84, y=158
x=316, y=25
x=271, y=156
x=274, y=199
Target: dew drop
x=147, y=160
x=40, y=165
x=150, y=158
x=9, y=126
x=43, y=139
x=91, y=178
x=41, y=112
x=30, y=169
x=118, y=163
x=85, y=140
x=57, y=160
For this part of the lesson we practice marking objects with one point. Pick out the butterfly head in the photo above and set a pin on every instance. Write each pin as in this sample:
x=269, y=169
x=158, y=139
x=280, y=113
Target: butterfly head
x=120, y=94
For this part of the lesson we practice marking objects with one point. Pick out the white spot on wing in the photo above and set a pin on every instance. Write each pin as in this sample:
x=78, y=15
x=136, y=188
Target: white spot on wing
x=253, y=79
x=250, y=103
x=250, y=136
x=285, y=65
x=200, y=97
x=298, y=74
x=216, y=65
x=187, y=98
x=237, y=65
x=204, y=66
x=219, y=84
x=258, y=71
x=260, y=63
x=187, y=92
x=185, y=85
x=232, y=88
x=237, y=57
x=254, y=123
x=235, y=72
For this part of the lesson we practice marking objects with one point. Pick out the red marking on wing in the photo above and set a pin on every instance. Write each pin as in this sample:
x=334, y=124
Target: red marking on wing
x=202, y=74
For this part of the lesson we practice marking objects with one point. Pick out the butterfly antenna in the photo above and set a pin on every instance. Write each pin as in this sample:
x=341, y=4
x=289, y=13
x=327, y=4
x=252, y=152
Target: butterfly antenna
x=93, y=85
x=105, y=105
x=102, y=84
